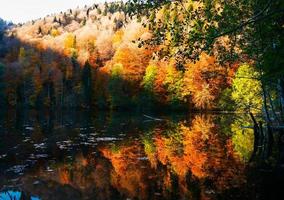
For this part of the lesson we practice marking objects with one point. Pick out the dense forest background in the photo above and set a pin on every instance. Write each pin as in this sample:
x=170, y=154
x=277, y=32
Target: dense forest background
x=149, y=55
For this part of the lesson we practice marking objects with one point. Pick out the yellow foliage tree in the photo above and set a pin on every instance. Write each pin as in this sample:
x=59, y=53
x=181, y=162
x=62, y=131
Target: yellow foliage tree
x=54, y=32
x=247, y=91
x=70, y=45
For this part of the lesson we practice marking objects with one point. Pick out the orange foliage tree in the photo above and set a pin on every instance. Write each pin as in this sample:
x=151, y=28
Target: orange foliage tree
x=203, y=81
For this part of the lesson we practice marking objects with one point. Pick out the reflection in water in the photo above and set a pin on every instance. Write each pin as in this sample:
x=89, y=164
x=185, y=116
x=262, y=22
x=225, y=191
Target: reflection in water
x=118, y=156
x=242, y=138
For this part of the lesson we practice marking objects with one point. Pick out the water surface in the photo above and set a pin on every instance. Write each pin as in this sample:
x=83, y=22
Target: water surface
x=83, y=155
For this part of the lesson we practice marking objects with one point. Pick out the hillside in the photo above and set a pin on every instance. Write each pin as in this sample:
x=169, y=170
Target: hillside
x=60, y=59
x=106, y=57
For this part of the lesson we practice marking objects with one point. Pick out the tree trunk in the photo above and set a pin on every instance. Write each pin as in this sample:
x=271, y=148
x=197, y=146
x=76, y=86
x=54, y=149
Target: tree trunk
x=281, y=96
x=264, y=97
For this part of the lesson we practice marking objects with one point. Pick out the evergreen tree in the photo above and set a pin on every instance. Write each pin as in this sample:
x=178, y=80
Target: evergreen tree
x=55, y=20
x=39, y=31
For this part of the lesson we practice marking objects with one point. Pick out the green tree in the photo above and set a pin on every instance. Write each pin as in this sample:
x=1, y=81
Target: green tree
x=247, y=90
x=87, y=84
x=174, y=84
x=117, y=98
x=225, y=101
x=148, y=94
x=149, y=78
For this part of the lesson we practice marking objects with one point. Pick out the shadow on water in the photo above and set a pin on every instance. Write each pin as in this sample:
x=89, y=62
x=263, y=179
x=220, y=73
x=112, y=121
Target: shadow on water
x=104, y=155
x=268, y=155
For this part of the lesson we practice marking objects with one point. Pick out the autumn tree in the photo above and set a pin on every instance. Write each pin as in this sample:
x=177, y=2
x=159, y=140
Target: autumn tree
x=54, y=32
x=24, y=88
x=230, y=30
x=70, y=45
x=203, y=82
x=134, y=62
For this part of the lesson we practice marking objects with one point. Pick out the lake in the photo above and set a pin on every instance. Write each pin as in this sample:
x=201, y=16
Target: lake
x=111, y=155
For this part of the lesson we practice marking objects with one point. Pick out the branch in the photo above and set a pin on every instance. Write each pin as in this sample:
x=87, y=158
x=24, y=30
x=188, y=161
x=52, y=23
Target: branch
x=251, y=78
x=152, y=118
x=253, y=119
x=250, y=21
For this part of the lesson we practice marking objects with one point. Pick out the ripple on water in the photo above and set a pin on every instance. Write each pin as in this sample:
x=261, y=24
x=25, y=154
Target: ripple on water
x=67, y=144
x=40, y=146
x=29, y=128
x=17, y=169
x=37, y=156
x=3, y=156
x=107, y=139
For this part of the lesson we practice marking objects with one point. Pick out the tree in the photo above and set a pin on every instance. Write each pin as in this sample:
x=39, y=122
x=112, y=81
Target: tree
x=148, y=84
x=25, y=88
x=203, y=82
x=149, y=78
x=55, y=20
x=39, y=31
x=117, y=98
x=70, y=45
x=160, y=91
x=247, y=89
x=49, y=91
x=84, y=21
x=54, y=32
x=87, y=84
x=247, y=31
x=174, y=85
x=134, y=62
x=202, y=23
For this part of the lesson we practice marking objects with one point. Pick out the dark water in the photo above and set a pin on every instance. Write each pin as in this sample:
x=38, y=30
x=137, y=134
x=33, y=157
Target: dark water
x=82, y=155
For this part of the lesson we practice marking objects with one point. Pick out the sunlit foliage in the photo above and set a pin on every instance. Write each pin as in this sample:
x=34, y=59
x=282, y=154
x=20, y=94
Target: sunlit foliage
x=174, y=85
x=204, y=81
x=247, y=89
x=49, y=67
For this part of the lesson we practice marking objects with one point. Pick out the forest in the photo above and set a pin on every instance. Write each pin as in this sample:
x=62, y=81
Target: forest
x=149, y=55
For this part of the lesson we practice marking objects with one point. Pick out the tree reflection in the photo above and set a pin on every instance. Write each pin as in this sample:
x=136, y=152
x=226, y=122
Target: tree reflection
x=190, y=159
x=199, y=152
x=129, y=172
x=242, y=138
x=194, y=153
